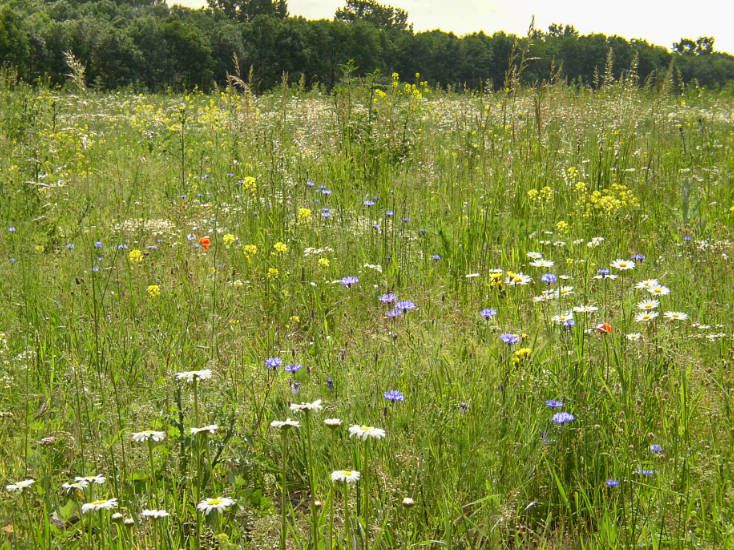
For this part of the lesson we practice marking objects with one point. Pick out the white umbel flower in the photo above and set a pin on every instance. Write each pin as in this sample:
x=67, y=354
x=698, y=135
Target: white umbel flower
x=218, y=504
x=345, y=476
x=366, y=432
x=193, y=375
x=148, y=435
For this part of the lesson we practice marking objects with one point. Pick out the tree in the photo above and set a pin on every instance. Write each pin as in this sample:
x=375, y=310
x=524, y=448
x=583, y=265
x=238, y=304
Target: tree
x=370, y=11
x=247, y=10
x=703, y=46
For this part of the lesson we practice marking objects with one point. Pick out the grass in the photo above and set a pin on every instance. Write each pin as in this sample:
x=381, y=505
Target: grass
x=144, y=236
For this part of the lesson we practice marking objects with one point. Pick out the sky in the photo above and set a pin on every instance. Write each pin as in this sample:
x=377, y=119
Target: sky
x=660, y=22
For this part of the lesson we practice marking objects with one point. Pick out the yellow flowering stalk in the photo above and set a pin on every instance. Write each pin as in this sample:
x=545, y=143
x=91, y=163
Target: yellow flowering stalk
x=303, y=215
x=280, y=248
x=135, y=256
x=154, y=291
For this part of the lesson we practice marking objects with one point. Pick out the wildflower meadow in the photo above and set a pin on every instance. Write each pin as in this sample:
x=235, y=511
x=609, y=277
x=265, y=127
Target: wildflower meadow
x=385, y=316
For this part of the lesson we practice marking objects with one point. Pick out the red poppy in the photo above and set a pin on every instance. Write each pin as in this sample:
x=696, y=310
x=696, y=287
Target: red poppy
x=205, y=243
x=604, y=328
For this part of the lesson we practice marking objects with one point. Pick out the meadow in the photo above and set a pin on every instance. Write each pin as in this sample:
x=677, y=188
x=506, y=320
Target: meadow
x=382, y=317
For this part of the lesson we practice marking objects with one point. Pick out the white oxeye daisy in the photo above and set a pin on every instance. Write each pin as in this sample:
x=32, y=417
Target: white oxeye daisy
x=634, y=337
x=102, y=504
x=542, y=263
x=75, y=486
x=220, y=504
x=563, y=318
x=154, y=514
x=517, y=279
x=285, y=424
x=585, y=309
x=345, y=476
x=645, y=316
x=211, y=429
x=565, y=291
x=148, y=435
x=623, y=265
x=648, y=305
x=366, y=432
x=98, y=479
x=333, y=422
x=315, y=406
x=408, y=502
x=659, y=290
x=647, y=284
x=193, y=375
x=534, y=255
x=19, y=486
x=595, y=241
x=675, y=315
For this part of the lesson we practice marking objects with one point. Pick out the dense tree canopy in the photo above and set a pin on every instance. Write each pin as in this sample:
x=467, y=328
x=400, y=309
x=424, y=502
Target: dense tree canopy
x=149, y=45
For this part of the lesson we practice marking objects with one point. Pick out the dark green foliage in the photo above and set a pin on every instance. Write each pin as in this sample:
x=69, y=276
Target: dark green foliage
x=148, y=45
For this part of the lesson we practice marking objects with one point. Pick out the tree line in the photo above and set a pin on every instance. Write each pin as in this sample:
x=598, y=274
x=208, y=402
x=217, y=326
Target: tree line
x=146, y=44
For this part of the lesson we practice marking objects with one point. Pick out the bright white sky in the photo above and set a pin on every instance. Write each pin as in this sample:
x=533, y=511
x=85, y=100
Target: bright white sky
x=661, y=22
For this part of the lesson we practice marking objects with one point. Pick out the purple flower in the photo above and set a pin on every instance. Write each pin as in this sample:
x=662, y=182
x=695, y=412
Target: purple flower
x=641, y=472
x=405, y=305
x=98, y=244
x=295, y=387
x=326, y=213
x=638, y=257
x=395, y=312
x=604, y=272
x=488, y=313
x=687, y=238
x=330, y=383
x=293, y=367
x=394, y=395
x=549, y=278
x=368, y=203
x=273, y=362
x=554, y=403
x=423, y=231
x=326, y=192
x=435, y=257
x=389, y=213
x=122, y=247
x=388, y=298
x=569, y=323
x=349, y=281
x=612, y=483
x=510, y=339
x=563, y=418
x=406, y=219
x=309, y=183
x=655, y=448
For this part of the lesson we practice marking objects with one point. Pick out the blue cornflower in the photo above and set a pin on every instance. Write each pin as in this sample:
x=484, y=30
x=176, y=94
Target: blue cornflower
x=569, y=323
x=389, y=213
x=405, y=305
x=687, y=238
x=406, y=219
x=395, y=312
x=326, y=192
x=368, y=203
x=388, y=298
x=642, y=472
x=330, y=383
x=638, y=257
x=70, y=246
x=488, y=313
x=603, y=272
x=293, y=367
x=554, y=403
x=98, y=244
x=376, y=226
x=655, y=448
x=612, y=483
x=349, y=281
x=394, y=396
x=436, y=258
x=309, y=183
x=423, y=231
x=273, y=362
x=563, y=418
x=549, y=278
x=510, y=339
x=326, y=212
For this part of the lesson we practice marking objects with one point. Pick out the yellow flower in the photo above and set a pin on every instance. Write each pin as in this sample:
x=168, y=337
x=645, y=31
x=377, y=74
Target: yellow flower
x=324, y=262
x=280, y=248
x=250, y=250
x=562, y=226
x=294, y=319
x=731, y=209
x=154, y=291
x=228, y=239
x=135, y=256
x=304, y=215
x=249, y=184
x=39, y=248
x=521, y=355
x=273, y=273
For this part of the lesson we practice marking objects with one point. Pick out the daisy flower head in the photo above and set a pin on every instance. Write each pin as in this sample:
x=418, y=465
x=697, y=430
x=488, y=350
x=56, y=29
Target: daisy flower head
x=97, y=479
x=101, y=504
x=587, y=308
x=19, y=486
x=565, y=291
x=345, y=476
x=542, y=263
x=562, y=318
x=563, y=418
x=333, y=422
x=648, y=305
x=408, y=502
x=534, y=255
x=218, y=504
x=623, y=265
x=148, y=435
x=285, y=424
x=154, y=514
x=659, y=290
x=647, y=284
x=366, y=432
x=634, y=337
x=646, y=316
x=315, y=406
x=517, y=279
x=194, y=375
x=211, y=429
x=74, y=486
x=675, y=315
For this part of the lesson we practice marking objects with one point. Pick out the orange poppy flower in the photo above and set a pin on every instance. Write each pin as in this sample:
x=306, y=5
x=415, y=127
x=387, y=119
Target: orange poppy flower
x=604, y=328
x=205, y=243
